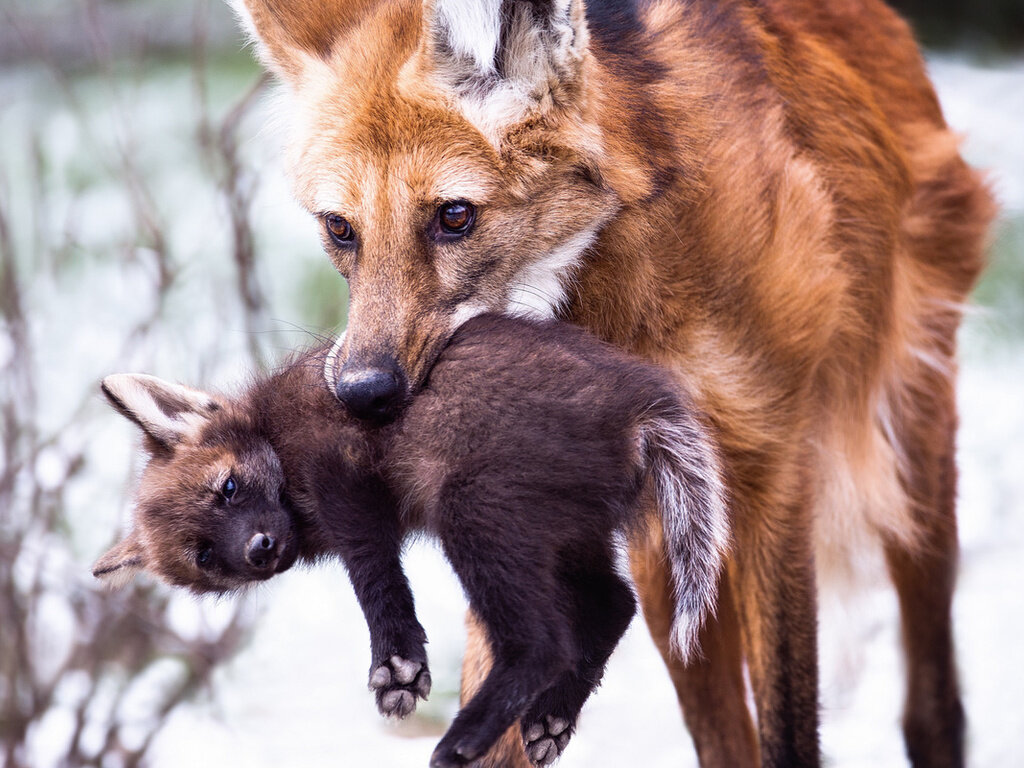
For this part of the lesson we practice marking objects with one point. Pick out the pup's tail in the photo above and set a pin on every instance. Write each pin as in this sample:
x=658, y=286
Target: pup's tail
x=692, y=504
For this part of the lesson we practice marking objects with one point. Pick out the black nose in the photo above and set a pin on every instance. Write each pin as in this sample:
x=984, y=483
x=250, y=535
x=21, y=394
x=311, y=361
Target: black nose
x=261, y=551
x=374, y=393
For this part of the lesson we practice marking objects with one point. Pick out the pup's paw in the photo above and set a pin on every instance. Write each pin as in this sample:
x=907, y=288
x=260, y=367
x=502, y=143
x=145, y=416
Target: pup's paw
x=454, y=754
x=397, y=684
x=546, y=738
x=468, y=739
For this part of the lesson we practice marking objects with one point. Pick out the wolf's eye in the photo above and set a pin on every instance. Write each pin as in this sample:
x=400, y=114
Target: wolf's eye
x=339, y=229
x=204, y=556
x=229, y=488
x=456, y=218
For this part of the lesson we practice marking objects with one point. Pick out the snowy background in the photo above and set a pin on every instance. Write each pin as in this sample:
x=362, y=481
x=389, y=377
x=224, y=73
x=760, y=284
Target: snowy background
x=90, y=249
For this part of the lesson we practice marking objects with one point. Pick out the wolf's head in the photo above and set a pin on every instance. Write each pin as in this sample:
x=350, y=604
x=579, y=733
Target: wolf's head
x=452, y=153
x=209, y=513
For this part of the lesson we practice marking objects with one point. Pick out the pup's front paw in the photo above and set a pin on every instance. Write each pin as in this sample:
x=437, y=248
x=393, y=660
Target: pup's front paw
x=397, y=684
x=545, y=739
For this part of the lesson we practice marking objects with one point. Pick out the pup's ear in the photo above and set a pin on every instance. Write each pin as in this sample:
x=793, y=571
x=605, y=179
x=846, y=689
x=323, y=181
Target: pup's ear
x=125, y=559
x=289, y=34
x=505, y=58
x=168, y=413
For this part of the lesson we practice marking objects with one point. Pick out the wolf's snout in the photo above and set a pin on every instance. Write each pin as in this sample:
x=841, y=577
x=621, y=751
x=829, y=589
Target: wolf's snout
x=261, y=551
x=376, y=393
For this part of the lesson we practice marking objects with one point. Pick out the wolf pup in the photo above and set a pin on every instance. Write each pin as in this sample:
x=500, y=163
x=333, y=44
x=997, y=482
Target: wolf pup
x=531, y=449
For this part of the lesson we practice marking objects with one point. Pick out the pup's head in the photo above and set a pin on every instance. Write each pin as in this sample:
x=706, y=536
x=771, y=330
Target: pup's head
x=209, y=513
x=453, y=156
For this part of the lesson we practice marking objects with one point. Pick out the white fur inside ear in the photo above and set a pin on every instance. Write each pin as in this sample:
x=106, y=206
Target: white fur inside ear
x=168, y=412
x=118, y=566
x=502, y=59
x=472, y=29
x=120, y=577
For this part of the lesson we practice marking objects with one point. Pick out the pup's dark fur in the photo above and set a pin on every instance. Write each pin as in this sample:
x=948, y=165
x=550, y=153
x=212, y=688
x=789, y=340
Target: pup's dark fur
x=528, y=451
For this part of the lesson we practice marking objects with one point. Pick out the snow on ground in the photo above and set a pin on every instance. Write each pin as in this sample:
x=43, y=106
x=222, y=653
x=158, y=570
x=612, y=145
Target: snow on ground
x=297, y=694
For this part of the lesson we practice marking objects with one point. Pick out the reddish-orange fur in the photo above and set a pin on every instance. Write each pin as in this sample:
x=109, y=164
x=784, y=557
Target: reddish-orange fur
x=781, y=217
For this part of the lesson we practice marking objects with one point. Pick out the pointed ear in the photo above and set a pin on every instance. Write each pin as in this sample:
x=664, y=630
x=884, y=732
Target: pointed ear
x=168, y=413
x=509, y=56
x=125, y=559
x=291, y=33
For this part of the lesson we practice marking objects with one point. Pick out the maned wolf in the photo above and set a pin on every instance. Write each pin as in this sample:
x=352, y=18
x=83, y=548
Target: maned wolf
x=527, y=454
x=762, y=195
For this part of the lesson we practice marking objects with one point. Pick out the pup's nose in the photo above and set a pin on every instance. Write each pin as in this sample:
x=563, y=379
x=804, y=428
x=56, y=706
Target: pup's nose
x=261, y=551
x=375, y=393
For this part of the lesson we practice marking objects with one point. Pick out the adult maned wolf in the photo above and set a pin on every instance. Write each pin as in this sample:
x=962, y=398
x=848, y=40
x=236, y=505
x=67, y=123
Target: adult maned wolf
x=761, y=195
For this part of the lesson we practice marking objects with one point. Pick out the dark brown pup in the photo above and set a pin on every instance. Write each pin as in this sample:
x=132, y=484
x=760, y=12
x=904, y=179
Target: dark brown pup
x=531, y=453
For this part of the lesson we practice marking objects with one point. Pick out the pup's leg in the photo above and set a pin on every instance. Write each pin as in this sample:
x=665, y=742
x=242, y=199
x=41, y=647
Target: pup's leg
x=511, y=587
x=367, y=535
x=508, y=751
x=711, y=689
x=603, y=607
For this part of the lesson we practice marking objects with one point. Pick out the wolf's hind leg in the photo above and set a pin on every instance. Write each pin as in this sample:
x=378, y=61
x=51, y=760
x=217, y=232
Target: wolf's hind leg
x=711, y=689
x=924, y=574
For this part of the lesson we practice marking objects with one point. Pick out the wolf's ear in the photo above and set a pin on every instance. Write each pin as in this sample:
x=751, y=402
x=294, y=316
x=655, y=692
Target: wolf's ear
x=508, y=57
x=291, y=33
x=168, y=413
x=125, y=559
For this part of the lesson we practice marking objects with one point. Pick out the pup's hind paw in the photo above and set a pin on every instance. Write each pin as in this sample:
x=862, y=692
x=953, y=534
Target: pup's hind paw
x=397, y=684
x=545, y=739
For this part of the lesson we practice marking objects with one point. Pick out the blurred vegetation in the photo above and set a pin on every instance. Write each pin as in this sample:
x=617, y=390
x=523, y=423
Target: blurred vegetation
x=980, y=25
x=1000, y=292
x=128, y=183
x=84, y=33
x=38, y=29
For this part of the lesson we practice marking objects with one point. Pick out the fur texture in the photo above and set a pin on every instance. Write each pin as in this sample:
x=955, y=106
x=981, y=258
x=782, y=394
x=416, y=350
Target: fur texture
x=527, y=454
x=780, y=216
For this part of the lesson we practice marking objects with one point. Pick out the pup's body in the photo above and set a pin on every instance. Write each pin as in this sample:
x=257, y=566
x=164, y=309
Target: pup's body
x=527, y=452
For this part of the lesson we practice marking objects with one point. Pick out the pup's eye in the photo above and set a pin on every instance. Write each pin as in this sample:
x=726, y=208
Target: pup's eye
x=204, y=556
x=339, y=229
x=456, y=218
x=229, y=488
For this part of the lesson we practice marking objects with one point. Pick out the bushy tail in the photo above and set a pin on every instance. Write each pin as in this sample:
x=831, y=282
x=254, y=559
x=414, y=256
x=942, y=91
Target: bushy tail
x=684, y=465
